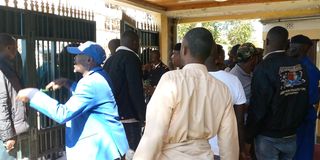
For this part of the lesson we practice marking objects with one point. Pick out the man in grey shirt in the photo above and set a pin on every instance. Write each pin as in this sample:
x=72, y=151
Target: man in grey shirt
x=247, y=59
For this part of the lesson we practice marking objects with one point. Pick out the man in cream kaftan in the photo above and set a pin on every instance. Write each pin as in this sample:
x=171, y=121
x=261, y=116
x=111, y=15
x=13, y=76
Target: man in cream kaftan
x=187, y=108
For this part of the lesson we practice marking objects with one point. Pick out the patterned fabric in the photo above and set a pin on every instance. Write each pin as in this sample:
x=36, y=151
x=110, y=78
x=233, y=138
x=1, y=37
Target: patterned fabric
x=279, y=97
x=246, y=51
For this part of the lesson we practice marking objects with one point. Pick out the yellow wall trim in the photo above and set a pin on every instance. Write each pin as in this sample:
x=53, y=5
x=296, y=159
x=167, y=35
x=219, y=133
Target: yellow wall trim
x=164, y=39
x=256, y=15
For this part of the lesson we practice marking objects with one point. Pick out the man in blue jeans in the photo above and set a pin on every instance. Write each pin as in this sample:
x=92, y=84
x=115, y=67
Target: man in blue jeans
x=299, y=47
x=279, y=101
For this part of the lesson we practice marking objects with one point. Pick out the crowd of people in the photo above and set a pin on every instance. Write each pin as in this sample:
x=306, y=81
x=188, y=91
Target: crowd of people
x=259, y=104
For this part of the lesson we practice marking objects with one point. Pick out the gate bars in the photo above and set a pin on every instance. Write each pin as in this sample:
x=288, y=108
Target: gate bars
x=43, y=32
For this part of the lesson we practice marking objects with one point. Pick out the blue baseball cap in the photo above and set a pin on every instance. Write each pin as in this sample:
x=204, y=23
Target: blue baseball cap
x=91, y=49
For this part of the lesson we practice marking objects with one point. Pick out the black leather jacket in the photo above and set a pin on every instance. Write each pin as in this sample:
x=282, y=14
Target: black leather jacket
x=279, y=100
x=12, y=112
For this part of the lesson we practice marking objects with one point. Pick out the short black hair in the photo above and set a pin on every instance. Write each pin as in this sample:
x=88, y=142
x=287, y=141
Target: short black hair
x=200, y=42
x=234, y=49
x=301, y=39
x=128, y=37
x=278, y=37
x=177, y=47
x=155, y=52
x=220, y=49
x=217, y=50
x=114, y=44
x=6, y=39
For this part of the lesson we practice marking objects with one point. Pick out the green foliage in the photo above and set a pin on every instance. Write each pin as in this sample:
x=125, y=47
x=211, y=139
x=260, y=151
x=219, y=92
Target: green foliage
x=240, y=32
x=227, y=33
x=182, y=29
x=213, y=28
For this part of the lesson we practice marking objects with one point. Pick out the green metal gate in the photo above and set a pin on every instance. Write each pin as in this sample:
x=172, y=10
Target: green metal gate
x=42, y=38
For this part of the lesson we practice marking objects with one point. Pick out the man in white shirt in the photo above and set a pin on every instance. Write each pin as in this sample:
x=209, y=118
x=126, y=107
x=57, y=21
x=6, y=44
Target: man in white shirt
x=214, y=64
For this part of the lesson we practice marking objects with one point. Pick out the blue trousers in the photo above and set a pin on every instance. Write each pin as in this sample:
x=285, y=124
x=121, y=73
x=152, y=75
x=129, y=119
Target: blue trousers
x=268, y=148
x=306, y=136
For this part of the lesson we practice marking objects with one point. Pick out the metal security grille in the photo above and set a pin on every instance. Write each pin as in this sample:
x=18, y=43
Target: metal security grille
x=148, y=34
x=42, y=41
x=149, y=41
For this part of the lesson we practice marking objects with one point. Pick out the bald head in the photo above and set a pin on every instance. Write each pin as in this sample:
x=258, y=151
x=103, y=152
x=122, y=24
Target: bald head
x=199, y=42
x=130, y=39
x=277, y=38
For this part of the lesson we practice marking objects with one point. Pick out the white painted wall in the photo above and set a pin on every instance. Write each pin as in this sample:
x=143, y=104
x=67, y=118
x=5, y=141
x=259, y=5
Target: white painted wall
x=310, y=28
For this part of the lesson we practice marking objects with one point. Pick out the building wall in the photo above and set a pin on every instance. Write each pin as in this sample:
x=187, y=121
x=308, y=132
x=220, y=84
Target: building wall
x=310, y=28
x=108, y=16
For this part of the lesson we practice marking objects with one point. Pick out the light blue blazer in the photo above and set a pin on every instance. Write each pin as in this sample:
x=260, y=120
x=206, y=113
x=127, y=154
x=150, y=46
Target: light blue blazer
x=93, y=129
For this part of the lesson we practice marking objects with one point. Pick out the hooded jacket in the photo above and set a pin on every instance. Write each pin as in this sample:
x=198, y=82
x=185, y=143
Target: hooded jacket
x=13, y=120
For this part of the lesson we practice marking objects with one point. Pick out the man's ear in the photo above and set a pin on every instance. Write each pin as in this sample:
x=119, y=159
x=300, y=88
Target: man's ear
x=185, y=50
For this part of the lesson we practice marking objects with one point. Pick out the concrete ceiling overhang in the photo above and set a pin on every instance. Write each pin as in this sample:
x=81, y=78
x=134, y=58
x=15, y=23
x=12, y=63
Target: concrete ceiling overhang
x=186, y=11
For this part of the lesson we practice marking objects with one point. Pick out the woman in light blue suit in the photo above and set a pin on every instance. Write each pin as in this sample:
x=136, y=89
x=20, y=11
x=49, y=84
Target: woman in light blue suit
x=93, y=129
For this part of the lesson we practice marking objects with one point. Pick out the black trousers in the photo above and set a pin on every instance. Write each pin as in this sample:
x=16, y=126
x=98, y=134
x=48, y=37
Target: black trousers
x=133, y=133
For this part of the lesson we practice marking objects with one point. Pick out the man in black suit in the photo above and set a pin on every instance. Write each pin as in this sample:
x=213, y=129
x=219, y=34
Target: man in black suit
x=153, y=72
x=125, y=71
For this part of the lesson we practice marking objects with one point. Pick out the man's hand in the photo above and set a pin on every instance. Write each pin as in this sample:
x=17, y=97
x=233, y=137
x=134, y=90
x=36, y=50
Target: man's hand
x=9, y=144
x=58, y=83
x=245, y=154
x=25, y=95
